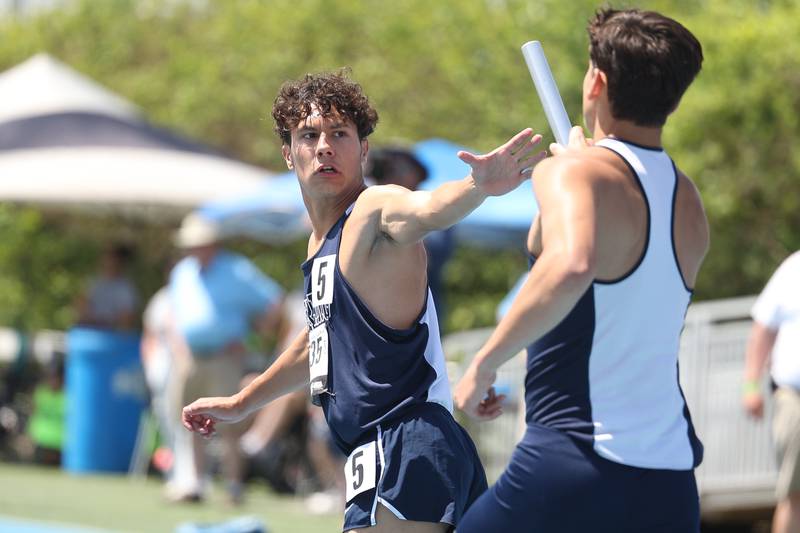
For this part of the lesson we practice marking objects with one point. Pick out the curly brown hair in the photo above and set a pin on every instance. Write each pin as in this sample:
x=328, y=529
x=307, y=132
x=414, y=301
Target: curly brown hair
x=331, y=93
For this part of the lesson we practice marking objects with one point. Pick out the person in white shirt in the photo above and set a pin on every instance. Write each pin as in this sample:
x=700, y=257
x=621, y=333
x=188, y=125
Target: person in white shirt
x=775, y=337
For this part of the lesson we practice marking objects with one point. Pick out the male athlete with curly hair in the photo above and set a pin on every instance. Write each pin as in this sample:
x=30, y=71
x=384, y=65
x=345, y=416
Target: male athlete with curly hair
x=371, y=351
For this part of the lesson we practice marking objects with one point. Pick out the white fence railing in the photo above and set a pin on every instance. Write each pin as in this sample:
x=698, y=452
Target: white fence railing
x=738, y=469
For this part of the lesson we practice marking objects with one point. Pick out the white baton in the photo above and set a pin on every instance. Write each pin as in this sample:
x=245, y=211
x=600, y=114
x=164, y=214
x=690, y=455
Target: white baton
x=548, y=91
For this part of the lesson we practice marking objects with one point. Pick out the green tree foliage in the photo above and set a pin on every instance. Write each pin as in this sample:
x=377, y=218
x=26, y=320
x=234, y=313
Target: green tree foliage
x=448, y=69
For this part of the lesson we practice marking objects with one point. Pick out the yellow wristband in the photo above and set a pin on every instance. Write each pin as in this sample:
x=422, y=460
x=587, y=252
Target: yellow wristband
x=751, y=387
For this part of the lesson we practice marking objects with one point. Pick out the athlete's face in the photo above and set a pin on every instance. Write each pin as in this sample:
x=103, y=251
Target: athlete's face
x=326, y=154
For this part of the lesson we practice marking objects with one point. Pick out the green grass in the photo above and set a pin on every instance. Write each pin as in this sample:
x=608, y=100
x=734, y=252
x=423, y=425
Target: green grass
x=118, y=503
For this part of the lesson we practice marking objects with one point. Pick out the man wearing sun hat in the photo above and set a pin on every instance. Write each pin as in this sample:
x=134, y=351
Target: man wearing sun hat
x=218, y=298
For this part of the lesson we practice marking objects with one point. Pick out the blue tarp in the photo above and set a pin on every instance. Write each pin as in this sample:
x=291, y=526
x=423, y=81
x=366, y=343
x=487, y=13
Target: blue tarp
x=276, y=212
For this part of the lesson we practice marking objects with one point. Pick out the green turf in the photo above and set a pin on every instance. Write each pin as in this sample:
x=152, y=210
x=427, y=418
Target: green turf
x=118, y=503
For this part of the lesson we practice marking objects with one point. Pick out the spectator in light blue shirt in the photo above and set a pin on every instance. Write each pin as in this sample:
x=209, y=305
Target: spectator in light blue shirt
x=218, y=298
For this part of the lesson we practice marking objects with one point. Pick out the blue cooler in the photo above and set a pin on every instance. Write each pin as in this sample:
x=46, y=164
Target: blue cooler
x=106, y=394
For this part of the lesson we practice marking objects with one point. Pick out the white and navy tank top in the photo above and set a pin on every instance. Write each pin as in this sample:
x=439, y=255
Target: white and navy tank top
x=608, y=373
x=363, y=372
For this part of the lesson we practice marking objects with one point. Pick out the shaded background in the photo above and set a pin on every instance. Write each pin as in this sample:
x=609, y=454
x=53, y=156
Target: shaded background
x=434, y=69
x=444, y=69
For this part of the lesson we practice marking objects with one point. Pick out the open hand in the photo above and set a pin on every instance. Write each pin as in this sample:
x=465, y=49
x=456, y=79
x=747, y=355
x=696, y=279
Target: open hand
x=504, y=168
x=201, y=416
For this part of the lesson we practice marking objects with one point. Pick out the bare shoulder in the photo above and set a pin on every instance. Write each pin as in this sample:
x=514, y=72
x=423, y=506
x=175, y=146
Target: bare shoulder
x=364, y=226
x=575, y=169
x=691, y=214
x=375, y=197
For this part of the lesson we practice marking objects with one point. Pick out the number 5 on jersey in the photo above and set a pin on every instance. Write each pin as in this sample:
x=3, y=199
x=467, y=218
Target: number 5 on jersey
x=359, y=470
x=322, y=280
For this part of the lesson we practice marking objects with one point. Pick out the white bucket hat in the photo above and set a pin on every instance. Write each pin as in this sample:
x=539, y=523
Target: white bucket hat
x=197, y=231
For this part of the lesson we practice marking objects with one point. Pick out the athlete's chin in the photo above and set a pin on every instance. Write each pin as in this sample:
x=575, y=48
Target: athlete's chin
x=328, y=187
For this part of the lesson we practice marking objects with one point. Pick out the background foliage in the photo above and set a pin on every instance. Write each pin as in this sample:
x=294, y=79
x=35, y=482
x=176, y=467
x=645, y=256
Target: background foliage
x=448, y=69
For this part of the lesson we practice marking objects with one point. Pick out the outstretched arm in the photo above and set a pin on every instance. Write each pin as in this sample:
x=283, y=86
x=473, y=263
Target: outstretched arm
x=561, y=274
x=289, y=372
x=406, y=217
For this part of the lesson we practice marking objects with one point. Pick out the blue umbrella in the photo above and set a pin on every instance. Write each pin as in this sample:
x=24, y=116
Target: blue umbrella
x=275, y=212
x=500, y=220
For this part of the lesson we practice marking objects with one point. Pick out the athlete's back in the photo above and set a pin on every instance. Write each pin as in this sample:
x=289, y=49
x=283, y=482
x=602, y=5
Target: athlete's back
x=612, y=375
x=609, y=444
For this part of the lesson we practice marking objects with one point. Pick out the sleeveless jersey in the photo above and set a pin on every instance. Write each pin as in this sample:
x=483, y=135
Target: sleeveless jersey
x=608, y=373
x=365, y=373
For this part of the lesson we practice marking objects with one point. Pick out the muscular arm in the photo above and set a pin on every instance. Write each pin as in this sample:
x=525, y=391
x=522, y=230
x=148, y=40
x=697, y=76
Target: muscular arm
x=560, y=276
x=564, y=270
x=289, y=372
x=406, y=217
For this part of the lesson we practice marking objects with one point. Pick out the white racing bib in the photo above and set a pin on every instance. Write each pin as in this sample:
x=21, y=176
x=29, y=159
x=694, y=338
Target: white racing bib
x=359, y=471
x=318, y=358
x=322, y=271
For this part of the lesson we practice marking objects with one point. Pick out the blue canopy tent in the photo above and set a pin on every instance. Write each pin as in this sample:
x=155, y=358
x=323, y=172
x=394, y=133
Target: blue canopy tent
x=499, y=221
x=275, y=211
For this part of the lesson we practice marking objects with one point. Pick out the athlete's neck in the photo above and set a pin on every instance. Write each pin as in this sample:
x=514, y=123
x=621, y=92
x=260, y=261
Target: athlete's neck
x=324, y=212
x=627, y=131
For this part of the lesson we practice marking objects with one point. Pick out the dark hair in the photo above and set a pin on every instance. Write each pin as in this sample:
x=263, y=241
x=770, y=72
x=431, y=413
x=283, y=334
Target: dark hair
x=385, y=165
x=122, y=252
x=649, y=60
x=331, y=93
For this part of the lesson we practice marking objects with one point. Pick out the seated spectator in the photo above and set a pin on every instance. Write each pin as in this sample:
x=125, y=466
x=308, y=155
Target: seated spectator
x=46, y=425
x=291, y=430
x=110, y=300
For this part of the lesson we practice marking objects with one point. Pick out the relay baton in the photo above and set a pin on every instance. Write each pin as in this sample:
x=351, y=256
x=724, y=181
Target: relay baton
x=548, y=91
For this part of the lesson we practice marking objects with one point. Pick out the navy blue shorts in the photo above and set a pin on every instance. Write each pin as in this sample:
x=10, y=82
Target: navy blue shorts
x=556, y=484
x=426, y=469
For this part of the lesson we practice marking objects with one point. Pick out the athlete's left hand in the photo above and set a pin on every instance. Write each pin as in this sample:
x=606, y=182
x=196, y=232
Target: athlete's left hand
x=504, y=168
x=476, y=396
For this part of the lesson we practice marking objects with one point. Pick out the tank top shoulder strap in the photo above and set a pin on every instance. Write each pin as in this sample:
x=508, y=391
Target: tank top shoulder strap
x=657, y=177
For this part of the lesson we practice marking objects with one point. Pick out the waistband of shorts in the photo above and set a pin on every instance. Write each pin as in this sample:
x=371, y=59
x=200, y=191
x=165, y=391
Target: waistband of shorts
x=398, y=418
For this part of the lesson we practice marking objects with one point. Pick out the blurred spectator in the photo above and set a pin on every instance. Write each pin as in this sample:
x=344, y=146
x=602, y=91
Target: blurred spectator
x=399, y=166
x=218, y=298
x=165, y=358
x=46, y=425
x=111, y=300
x=776, y=332
x=269, y=440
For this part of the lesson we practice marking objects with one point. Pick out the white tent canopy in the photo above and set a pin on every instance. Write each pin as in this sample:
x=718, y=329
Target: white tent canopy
x=122, y=176
x=66, y=140
x=43, y=86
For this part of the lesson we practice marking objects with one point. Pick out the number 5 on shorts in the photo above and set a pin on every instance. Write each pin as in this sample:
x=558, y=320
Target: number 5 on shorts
x=359, y=470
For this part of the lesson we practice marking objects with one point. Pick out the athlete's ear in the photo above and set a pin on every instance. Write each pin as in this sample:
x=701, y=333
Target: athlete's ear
x=597, y=83
x=286, y=151
x=364, y=151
